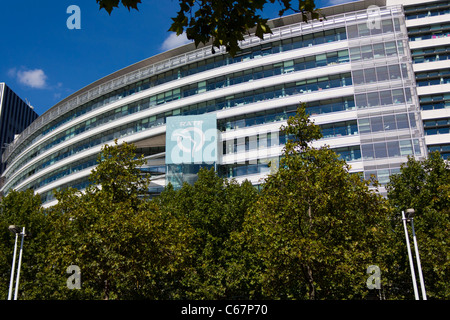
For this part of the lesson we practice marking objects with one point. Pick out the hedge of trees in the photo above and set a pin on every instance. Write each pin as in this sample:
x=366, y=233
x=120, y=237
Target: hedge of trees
x=311, y=232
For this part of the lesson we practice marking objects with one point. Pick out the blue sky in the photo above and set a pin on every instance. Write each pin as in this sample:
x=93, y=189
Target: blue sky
x=43, y=61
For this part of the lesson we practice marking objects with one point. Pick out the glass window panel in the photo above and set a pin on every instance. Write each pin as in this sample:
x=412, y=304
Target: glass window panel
x=402, y=121
x=408, y=95
x=310, y=62
x=319, y=38
x=404, y=71
x=288, y=66
x=397, y=24
x=361, y=100
x=323, y=83
x=373, y=99
x=393, y=149
x=308, y=40
x=366, y=52
x=358, y=76
x=394, y=72
x=355, y=54
x=364, y=125
x=383, y=176
x=380, y=150
x=297, y=43
x=369, y=75
x=412, y=120
x=376, y=124
x=363, y=30
x=378, y=50
x=387, y=26
x=386, y=97
x=321, y=60
x=367, y=151
x=405, y=148
x=389, y=122
x=343, y=56
x=382, y=73
x=416, y=146
x=390, y=48
x=398, y=96
x=352, y=31
x=370, y=174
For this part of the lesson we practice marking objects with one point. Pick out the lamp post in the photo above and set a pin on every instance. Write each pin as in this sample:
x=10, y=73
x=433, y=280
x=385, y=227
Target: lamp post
x=410, y=214
x=410, y=217
x=413, y=274
x=17, y=232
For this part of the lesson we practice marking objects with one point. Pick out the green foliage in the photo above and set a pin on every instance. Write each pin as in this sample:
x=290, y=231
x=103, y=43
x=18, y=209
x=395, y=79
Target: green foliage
x=125, y=247
x=109, y=5
x=424, y=186
x=223, y=23
x=118, y=174
x=315, y=228
x=23, y=209
x=310, y=233
x=214, y=208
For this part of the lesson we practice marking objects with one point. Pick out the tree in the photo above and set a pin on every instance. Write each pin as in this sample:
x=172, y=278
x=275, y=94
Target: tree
x=425, y=186
x=123, y=244
x=315, y=227
x=109, y=5
x=23, y=208
x=214, y=207
x=223, y=23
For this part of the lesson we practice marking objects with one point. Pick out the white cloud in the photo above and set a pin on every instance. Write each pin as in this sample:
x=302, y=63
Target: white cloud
x=174, y=41
x=32, y=78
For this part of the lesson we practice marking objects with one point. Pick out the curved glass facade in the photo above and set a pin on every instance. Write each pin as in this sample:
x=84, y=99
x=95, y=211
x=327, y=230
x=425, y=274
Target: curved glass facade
x=358, y=83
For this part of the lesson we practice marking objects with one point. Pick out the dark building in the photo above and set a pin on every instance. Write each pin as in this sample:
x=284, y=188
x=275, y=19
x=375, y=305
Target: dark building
x=15, y=116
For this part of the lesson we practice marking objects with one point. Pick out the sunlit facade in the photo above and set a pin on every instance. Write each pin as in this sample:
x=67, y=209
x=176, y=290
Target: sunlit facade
x=360, y=71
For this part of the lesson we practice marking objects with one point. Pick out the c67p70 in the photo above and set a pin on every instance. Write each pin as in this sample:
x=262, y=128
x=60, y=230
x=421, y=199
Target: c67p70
x=246, y=309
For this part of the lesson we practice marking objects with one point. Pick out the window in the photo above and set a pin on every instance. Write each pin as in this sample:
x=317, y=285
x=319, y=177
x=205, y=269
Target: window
x=382, y=74
x=376, y=124
x=369, y=75
x=394, y=72
x=390, y=48
x=358, y=76
x=378, y=50
x=380, y=150
x=389, y=123
x=343, y=56
x=393, y=149
x=352, y=31
x=364, y=125
x=373, y=99
x=321, y=60
x=398, y=96
x=361, y=101
x=367, y=151
x=355, y=54
x=387, y=26
x=366, y=52
x=405, y=148
x=363, y=30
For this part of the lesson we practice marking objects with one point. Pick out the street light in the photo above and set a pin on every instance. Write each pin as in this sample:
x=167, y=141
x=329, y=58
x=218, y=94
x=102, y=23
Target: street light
x=410, y=217
x=410, y=213
x=17, y=232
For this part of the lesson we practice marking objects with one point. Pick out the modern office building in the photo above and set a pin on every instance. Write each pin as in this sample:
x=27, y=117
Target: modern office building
x=428, y=24
x=372, y=75
x=15, y=116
